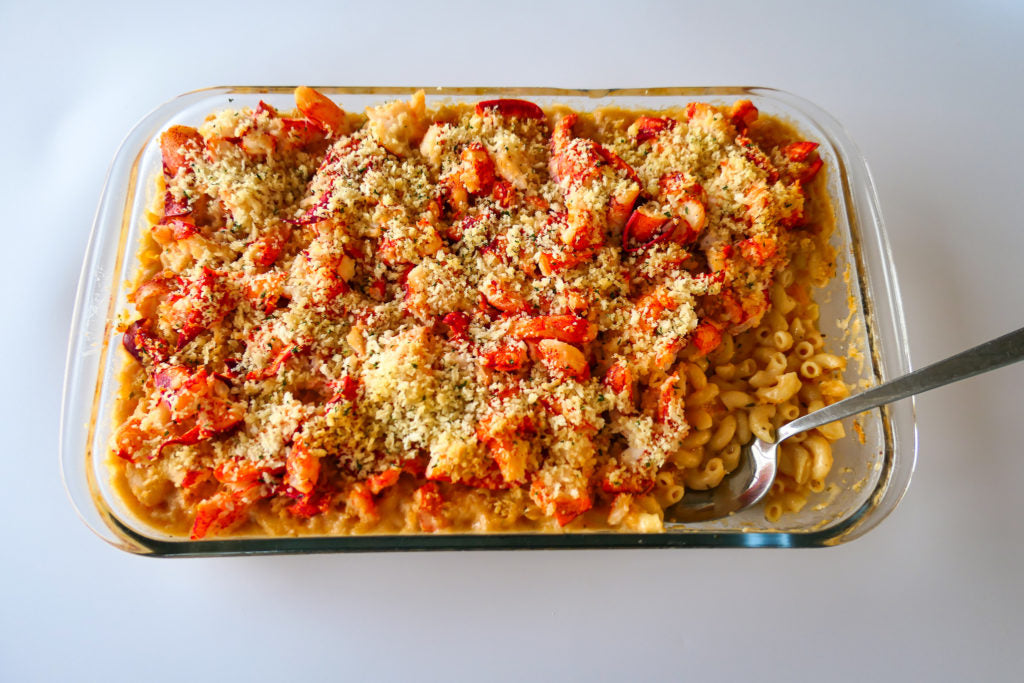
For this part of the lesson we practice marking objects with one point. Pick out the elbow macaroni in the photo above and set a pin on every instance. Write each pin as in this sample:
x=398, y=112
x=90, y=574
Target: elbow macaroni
x=472, y=318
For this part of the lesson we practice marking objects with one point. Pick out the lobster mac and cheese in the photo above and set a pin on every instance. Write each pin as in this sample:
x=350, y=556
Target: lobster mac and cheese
x=471, y=318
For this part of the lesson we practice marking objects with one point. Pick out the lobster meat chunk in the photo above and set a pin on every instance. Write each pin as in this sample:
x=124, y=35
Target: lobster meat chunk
x=140, y=341
x=386, y=479
x=175, y=144
x=225, y=509
x=566, y=328
x=430, y=507
x=281, y=356
x=743, y=113
x=619, y=378
x=563, y=360
x=707, y=337
x=187, y=406
x=508, y=441
x=303, y=134
x=565, y=501
x=503, y=296
x=508, y=357
x=243, y=471
x=199, y=403
x=581, y=166
x=758, y=249
x=644, y=229
x=811, y=171
x=321, y=111
x=265, y=250
x=200, y=303
x=265, y=292
x=458, y=325
x=302, y=468
x=799, y=151
x=649, y=127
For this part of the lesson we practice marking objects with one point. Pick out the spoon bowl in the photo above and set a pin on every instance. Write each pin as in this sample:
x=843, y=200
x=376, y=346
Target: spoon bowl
x=741, y=488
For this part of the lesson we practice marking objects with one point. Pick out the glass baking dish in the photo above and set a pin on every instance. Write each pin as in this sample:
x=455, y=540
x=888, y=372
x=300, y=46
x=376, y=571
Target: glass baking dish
x=860, y=313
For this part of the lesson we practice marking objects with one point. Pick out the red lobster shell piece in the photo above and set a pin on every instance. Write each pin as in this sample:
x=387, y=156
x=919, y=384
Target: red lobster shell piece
x=644, y=229
x=521, y=109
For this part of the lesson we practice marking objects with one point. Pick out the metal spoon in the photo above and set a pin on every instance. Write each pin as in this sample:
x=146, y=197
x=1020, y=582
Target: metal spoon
x=755, y=473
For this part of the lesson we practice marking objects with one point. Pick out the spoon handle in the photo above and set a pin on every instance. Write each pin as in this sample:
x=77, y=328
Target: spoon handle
x=988, y=356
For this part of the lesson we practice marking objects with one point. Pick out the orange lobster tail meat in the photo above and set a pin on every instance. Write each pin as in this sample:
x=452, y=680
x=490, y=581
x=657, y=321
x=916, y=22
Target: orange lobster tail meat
x=799, y=151
x=321, y=110
x=811, y=171
x=175, y=143
x=563, y=360
x=385, y=479
x=564, y=507
x=566, y=328
x=224, y=510
x=619, y=379
x=743, y=114
x=302, y=467
x=707, y=337
x=507, y=358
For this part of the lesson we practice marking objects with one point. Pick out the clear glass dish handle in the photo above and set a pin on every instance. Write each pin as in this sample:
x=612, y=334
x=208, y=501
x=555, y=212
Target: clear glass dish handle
x=991, y=355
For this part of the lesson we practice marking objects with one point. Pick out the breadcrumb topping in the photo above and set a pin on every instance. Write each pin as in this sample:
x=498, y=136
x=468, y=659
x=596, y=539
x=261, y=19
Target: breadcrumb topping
x=491, y=300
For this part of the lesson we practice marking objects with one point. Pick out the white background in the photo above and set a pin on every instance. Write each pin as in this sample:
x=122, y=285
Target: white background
x=933, y=94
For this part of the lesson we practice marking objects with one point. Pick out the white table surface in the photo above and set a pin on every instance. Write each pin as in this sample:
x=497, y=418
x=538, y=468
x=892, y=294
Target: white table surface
x=933, y=95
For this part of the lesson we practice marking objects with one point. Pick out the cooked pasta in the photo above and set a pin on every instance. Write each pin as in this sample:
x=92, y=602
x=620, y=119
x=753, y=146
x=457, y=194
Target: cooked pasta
x=471, y=318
